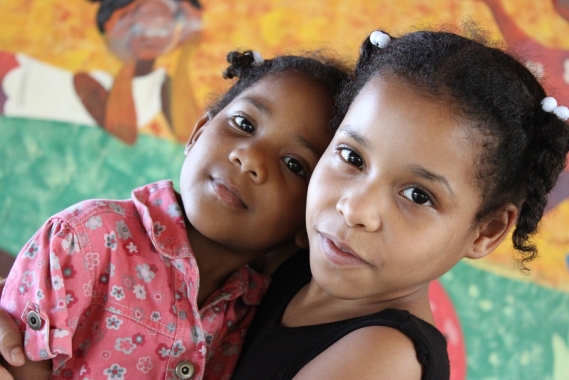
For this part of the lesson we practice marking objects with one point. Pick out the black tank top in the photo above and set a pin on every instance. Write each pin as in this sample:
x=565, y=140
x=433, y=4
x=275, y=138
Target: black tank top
x=273, y=352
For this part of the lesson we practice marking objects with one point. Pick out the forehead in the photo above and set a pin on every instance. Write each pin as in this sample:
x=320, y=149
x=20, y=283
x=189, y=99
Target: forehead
x=291, y=96
x=387, y=101
x=398, y=120
x=137, y=5
x=280, y=84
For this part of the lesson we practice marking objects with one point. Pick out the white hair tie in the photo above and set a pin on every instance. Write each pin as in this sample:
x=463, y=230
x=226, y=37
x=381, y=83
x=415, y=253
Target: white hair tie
x=379, y=39
x=258, y=60
x=549, y=104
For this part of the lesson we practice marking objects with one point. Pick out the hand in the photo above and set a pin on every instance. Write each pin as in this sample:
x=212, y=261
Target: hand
x=11, y=347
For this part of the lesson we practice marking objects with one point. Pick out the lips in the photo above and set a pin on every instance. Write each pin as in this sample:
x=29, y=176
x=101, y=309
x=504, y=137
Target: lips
x=339, y=252
x=228, y=193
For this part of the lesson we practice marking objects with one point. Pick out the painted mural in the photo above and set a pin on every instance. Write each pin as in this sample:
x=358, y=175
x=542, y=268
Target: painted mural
x=97, y=97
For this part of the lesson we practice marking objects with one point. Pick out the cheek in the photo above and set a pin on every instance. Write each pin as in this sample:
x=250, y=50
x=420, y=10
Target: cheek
x=291, y=209
x=312, y=202
x=296, y=204
x=323, y=183
x=119, y=31
x=319, y=201
x=190, y=178
x=119, y=45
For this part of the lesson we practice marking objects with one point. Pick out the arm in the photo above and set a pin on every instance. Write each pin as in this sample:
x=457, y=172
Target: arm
x=39, y=285
x=120, y=112
x=375, y=352
x=12, y=357
x=93, y=96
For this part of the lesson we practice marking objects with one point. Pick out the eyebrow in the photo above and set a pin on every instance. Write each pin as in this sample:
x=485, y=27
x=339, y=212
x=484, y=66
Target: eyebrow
x=355, y=135
x=430, y=176
x=257, y=104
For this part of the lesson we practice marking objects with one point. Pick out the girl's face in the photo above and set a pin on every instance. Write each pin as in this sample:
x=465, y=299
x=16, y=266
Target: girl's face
x=146, y=29
x=245, y=177
x=392, y=202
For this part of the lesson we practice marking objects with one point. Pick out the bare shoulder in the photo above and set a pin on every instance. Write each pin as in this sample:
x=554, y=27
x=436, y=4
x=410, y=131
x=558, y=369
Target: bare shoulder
x=375, y=352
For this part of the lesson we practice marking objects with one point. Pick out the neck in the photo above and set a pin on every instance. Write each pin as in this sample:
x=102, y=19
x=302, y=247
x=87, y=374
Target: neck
x=143, y=67
x=314, y=305
x=215, y=261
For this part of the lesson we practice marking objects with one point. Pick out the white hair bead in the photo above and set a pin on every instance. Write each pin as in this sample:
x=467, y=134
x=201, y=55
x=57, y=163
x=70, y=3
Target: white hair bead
x=548, y=104
x=258, y=60
x=379, y=39
x=561, y=112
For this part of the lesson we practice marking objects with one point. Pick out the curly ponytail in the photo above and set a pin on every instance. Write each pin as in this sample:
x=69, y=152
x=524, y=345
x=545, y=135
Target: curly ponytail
x=547, y=150
x=239, y=64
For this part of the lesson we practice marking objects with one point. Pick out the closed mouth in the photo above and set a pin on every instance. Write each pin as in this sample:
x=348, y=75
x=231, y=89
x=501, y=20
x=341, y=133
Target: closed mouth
x=339, y=252
x=228, y=193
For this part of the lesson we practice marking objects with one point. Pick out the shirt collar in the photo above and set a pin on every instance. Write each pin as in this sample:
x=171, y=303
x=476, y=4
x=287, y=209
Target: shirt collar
x=246, y=283
x=162, y=218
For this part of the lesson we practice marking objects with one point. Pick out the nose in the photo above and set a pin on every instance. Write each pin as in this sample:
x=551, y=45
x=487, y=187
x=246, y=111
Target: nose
x=359, y=210
x=251, y=161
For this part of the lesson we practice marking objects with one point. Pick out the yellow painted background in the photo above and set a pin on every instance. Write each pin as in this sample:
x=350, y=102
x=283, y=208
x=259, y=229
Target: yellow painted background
x=63, y=33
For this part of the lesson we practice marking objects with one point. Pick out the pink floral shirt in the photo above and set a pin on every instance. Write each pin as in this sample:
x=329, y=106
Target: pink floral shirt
x=108, y=290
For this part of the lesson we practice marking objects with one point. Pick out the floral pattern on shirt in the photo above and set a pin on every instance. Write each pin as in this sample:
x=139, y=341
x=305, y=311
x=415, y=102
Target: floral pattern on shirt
x=115, y=285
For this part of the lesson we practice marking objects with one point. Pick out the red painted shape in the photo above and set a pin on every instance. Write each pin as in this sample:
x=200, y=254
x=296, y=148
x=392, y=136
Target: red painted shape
x=8, y=62
x=562, y=7
x=446, y=320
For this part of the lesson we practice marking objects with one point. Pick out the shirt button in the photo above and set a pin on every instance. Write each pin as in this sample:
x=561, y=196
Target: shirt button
x=34, y=320
x=185, y=369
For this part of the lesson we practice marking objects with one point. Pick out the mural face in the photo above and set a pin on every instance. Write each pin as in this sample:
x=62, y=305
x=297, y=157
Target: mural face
x=146, y=29
x=91, y=115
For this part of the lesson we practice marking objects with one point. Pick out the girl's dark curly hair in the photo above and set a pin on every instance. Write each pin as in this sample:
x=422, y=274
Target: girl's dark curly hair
x=107, y=8
x=326, y=71
x=524, y=147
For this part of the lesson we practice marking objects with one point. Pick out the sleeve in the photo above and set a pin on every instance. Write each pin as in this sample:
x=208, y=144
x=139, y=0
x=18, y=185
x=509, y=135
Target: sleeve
x=48, y=290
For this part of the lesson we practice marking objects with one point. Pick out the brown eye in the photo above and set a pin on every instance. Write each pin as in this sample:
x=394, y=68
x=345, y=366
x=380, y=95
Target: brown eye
x=244, y=124
x=418, y=196
x=352, y=157
x=294, y=166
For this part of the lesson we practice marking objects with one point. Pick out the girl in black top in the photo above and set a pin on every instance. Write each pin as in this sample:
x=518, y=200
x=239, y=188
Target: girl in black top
x=447, y=146
x=274, y=351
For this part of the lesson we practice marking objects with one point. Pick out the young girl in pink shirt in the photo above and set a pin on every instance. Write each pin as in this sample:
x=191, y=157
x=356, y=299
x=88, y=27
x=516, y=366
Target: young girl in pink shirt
x=158, y=285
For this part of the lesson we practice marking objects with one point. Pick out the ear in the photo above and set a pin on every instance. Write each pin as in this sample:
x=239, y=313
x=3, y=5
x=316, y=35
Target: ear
x=492, y=231
x=301, y=240
x=197, y=131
